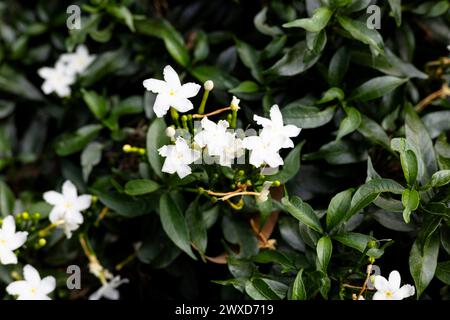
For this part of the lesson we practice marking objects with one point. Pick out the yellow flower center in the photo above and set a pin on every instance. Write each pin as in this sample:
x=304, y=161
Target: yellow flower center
x=67, y=205
x=3, y=242
x=171, y=92
x=389, y=294
x=33, y=291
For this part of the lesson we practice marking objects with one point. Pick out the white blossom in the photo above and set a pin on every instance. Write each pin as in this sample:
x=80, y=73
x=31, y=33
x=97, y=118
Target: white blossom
x=76, y=62
x=275, y=129
x=67, y=207
x=390, y=289
x=264, y=193
x=235, y=102
x=263, y=151
x=10, y=240
x=171, y=93
x=109, y=289
x=56, y=80
x=178, y=157
x=32, y=287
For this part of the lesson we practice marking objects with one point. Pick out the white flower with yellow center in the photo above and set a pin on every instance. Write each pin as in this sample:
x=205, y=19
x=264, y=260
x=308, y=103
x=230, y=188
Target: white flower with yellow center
x=76, y=62
x=56, y=80
x=109, y=289
x=263, y=151
x=171, y=93
x=67, y=207
x=32, y=287
x=390, y=289
x=10, y=240
x=178, y=157
x=275, y=129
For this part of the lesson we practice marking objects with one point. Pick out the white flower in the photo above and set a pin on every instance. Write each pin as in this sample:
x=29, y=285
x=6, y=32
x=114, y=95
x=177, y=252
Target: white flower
x=67, y=207
x=390, y=290
x=56, y=80
x=275, y=129
x=76, y=62
x=10, y=240
x=264, y=193
x=33, y=287
x=178, y=158
x=171, y=93
x=235, y=102
x=263, y=151
x=109, y=289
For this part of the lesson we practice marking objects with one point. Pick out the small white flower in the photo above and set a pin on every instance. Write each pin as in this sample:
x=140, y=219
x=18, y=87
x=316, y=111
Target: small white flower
x=32, y=287
x=264, y=193
x=67, y=207
x=235, y=102
x=390, y=289
x=170, y=132
x=56, y=80
x=76, y=62
x=10, y=240
x=171, y=93
x=275, y=129
x=178, y=158
x=212, y=136
x=109, y=289
x=263, y=151
x=448, y=47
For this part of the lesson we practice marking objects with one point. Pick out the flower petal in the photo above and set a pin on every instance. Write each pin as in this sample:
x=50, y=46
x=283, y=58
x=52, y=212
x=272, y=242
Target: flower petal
x=262, y=121
x=171, y=77
x=17, y=287
x=31, y=275
x=155, y=86
x=189, y=90
x=9, y=225
x=83, y=202
x=17, y=240
x=394, y=280
x=381, y=283
x=69, y=191
x=379, y=296
x=161, y=105
x=406, y=291
x=182, y=104
x=7, y=256
x=275, y=116
x=54, y=198
x=47, y=285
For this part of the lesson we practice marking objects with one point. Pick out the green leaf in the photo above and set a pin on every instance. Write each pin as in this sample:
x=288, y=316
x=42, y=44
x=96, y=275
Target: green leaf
x=354, y=240
x=124, y=14
x=222, y=80
x=338, y=66
x=156, y=138
x=265, y=289
x=324, y=249
x=440, y=178
x=422, y=263
x=338, y=208
x=261, y=25
x=246, y=87
x=307, y=117
x=410, y=167
x=359, y=31
x=369, y=191
x=201, y=47
x=411, y=201
x=298, y=288
x=15, y=83
x=125, y=205
x=316, y=23
x=297, y=59
x=250, y=58
x=376, y=87
x=7, y=200
x=350, y=123
x=96, y=103
x=332, y=94
x=302, y=212
x=396, y=11
x=291, y=165
x=90, y=157
x=372, y=131
x=197, y=227
x=140, y=186
x=418, y=136
x=174, y=223
x=443, y=272
x=74, y=142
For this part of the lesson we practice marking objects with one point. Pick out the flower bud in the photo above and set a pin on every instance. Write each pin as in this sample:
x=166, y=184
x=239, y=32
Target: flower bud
x=372, y=244
x=42, y=242
x=276, y=183
x=25, y=215
x=235, y=103
x=127, y=148
x=200, y=190
x=170, y=132
x=213, y=199
x=208, y=85
x=36, y=216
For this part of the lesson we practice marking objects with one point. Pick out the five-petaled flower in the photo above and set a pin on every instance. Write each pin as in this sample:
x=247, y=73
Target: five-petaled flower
x=109, y=289
x=171, y=93
x=390, y=289
x=32, y=287
x=67, y=207
x=76, y=62
x=178, y=157
x=10, y=240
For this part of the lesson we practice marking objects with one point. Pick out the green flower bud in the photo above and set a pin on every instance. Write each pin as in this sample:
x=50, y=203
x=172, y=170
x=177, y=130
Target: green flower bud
x=213, y=199
x=36, y=216
x=25, y=215
x=42, y=242
x=127, y=148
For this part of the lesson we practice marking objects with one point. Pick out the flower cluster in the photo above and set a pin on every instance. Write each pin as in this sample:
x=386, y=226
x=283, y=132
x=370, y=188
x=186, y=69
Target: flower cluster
x=215, y=140
x=59, y=78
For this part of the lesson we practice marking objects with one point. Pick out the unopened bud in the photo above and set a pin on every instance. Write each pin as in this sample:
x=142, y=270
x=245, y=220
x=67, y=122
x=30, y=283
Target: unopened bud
x=127, y=148
x=235, y=103
x=170, y=132
x=25, y=215
x=42, y=242
x=208, y=85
